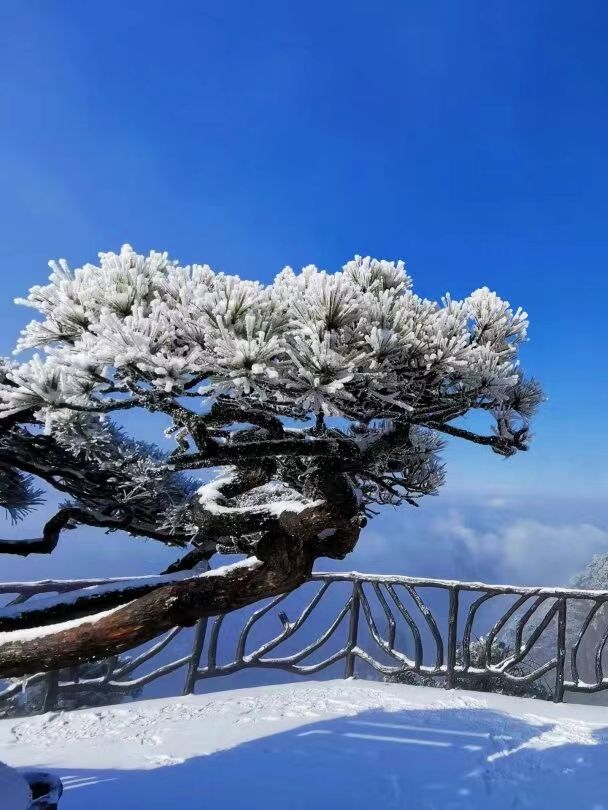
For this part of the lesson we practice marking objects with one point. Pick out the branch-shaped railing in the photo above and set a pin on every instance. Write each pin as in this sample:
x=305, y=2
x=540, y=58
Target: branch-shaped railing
x=467, y=634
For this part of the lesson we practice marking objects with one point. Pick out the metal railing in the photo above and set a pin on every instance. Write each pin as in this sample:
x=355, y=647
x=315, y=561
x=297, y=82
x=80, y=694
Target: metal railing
x=454, y=634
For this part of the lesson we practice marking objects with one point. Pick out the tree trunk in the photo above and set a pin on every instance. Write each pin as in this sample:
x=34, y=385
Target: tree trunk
x=283, y=562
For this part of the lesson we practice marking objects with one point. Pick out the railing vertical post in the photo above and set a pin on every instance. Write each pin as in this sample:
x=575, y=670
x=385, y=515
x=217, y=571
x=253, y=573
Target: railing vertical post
x=353, y=631
x=51, y=692
x=200, y=631
x=452, y=635
x=558, y=694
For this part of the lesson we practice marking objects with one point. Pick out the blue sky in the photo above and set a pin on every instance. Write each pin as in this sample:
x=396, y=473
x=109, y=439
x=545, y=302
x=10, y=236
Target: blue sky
x=467, y=138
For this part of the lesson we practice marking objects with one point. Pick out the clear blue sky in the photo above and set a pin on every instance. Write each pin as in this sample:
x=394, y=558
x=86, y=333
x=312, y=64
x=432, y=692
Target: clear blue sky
x=469, y=138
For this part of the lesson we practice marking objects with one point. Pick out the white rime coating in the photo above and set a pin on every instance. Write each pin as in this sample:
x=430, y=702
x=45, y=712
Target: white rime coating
x=352, y=343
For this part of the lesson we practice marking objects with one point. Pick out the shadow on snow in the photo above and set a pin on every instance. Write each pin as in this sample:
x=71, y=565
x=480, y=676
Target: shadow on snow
x=418, y=759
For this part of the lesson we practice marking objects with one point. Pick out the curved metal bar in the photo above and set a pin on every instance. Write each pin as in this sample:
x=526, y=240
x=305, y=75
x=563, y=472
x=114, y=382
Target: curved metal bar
x=534, y=675
x=128, y=685
x=384, y=645
x=151, y=676
x=418, y=651
x=390, y=619
x=255, y=616
x=213, y=639
x=599, y=669
x=432, y=624
x=523, y=621
x=498, y=626
x=310, y=669
x=289, y=627
x=508, y=677
x=21, y=686
x=308, y=650
x=382, y=668
x=584, y=627
x=524, y=649
x=148, y=654
x=305, y=669
x=468, y=629
x=586, y=688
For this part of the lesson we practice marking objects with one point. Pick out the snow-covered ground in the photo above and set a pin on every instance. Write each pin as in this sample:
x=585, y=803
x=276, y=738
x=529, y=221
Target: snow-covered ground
x=332, y=744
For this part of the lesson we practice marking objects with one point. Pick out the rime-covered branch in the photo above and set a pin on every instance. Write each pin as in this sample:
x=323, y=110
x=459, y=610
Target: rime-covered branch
x=504, y=445
x=65, y=518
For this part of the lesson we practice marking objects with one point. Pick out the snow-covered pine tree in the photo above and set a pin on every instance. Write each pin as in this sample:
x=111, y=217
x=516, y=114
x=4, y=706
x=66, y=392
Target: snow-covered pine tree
x=315, y=398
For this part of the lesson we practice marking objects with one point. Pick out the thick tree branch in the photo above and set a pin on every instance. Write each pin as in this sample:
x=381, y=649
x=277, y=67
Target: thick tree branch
x=283, y=563
x=225, y=455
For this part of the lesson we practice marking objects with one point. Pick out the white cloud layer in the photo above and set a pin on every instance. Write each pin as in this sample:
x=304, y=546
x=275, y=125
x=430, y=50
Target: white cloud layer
x=523, y=547
x=492, y=538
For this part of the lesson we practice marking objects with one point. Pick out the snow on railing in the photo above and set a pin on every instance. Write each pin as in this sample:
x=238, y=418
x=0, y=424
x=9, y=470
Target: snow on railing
x=520, y=640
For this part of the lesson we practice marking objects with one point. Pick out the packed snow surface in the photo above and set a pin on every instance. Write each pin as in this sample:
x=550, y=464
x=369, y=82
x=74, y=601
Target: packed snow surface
x=332, y=744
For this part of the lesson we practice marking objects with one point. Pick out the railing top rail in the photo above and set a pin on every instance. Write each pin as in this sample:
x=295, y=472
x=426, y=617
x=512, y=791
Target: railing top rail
x=66, y=585
x=448, y=584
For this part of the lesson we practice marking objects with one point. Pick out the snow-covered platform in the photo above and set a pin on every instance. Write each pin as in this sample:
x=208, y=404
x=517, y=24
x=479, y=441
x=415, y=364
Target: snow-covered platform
x=331, y=744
